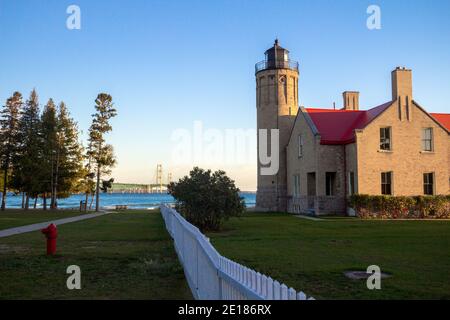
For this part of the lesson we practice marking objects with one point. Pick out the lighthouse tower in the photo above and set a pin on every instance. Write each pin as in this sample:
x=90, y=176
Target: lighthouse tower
x=277, y=106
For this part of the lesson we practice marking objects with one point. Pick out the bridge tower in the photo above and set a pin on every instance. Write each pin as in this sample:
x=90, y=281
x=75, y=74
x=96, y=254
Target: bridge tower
x=159, y=175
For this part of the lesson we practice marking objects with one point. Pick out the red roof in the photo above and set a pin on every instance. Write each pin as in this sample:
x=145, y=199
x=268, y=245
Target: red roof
x=338, y=126
x=442, y=118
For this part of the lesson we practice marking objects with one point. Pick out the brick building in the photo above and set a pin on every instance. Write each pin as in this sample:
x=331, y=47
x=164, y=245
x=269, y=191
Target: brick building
x=325, y=155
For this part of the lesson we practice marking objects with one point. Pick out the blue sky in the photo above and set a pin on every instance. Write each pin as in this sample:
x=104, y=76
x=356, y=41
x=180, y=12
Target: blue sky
x=169, y=63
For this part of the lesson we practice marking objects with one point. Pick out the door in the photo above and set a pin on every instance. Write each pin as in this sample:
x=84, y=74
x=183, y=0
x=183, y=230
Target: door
x=311, y=186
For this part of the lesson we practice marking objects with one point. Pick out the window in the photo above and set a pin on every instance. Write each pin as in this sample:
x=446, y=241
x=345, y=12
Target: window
x=386, y=183
x=351, y=183
x=296, y=185
x=427, y=139
x=300, y=146
x=428, y=183
x=330, y=178
x=385, y=138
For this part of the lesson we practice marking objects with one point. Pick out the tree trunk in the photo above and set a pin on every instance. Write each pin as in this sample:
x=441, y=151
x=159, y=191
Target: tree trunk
x=52, y=203
x=55, y=185
x=92, y=200
x=5, y=182
x=44, y=204
x=27, y=202
x=35, y=202
x=85, y=203
x=23, y=199
x=97, y=191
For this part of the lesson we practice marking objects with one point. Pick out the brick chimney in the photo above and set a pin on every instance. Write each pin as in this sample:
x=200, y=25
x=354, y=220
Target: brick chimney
x=351, y=100
x=402, y=91
x=401, y=83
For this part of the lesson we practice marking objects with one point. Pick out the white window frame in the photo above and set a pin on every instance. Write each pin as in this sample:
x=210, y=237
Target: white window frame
x=296, y=191
x=424, y=130
x=389, y=139
x=433, y=183
x=391, y=182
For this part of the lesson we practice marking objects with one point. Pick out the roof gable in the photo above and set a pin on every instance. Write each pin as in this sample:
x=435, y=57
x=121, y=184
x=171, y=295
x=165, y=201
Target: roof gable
x=302, y=112
x=338, y=126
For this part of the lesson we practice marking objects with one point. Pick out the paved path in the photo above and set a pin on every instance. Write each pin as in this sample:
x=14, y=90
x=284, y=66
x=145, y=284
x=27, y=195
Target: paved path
x=42, y=225
x=308, y=217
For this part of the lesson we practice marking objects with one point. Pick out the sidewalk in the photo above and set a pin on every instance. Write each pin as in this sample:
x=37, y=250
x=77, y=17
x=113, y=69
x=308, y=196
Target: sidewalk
x=42, y=225
x=308, y=217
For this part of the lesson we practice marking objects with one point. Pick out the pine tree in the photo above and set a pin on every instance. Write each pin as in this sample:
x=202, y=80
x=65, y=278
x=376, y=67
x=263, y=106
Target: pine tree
x=69, y=157
x=9, y=124
x=88, y=183
x=49, y=127
x=27, y=161
x=103, y=154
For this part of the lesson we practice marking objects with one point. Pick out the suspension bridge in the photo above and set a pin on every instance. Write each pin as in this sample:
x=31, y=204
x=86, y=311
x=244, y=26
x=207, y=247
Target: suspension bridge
x=159, y=185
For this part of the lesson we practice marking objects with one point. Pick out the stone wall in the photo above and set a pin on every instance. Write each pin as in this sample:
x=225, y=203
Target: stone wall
x=277, y=101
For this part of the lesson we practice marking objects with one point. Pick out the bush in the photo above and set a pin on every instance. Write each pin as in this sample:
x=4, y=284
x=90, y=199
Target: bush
x=207, y=199
x=391, y=207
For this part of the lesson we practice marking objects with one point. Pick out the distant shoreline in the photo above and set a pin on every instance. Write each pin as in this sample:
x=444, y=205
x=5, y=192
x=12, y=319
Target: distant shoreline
x=108, y=201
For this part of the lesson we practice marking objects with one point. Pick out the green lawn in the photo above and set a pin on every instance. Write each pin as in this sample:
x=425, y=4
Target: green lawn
x=312, y=255
x=122, y=256
x=16, y=218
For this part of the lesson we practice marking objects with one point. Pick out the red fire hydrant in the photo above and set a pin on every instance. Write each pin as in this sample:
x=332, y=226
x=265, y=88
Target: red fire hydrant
x=51, y=233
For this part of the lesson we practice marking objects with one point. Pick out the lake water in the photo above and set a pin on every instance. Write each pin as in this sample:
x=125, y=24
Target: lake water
x=109, y=200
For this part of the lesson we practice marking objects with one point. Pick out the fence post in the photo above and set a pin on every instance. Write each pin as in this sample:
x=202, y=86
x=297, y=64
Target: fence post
x=292, y=293
x=284, y=292
x=249, y=278
x=270, y=289
x=276, y=290
x=301, y=296
x=182, y=244
x=253, y=280
x=220, y=286
x=258, y=283
x=264, y=286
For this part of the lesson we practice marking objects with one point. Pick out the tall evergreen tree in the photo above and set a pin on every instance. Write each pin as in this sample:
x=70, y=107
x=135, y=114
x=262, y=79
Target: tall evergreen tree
x=69, y=157
x=9, y=124
x=27, y=161
x=103, y=154
x=88, y=182
x=49, y=128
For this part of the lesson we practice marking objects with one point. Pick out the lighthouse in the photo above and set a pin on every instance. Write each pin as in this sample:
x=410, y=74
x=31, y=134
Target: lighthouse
x=277, y=107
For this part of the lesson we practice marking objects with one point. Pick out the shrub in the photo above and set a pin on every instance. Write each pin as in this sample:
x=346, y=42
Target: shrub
x=207, y=199
x=391, y=207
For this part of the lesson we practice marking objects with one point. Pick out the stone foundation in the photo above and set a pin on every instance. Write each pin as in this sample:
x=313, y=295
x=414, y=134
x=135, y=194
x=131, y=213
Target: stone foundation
x=271, y=199
x=317, y=205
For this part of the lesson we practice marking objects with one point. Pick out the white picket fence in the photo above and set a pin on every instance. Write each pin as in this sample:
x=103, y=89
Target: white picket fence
x=214, y=277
